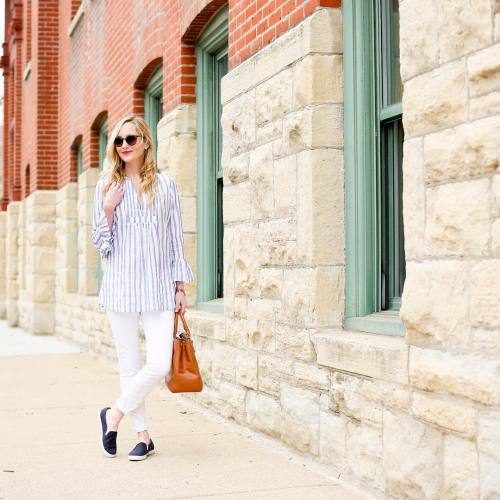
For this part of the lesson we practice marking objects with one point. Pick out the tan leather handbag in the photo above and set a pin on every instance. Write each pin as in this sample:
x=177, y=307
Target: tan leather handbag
x=185, y=374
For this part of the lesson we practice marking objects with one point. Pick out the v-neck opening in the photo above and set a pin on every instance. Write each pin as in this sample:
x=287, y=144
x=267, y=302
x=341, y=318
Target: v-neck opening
x=135, y=191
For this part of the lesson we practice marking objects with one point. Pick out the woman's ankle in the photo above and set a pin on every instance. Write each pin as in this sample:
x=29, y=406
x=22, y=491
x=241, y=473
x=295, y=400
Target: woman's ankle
x=143, y=436
x=114, y=415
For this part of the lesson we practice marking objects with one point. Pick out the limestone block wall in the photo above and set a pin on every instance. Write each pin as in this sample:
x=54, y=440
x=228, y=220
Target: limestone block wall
x=40, y=261
x=78, y=315
x=415, y=416
x=25, y=268
x=177, y=158
x=12, y=261
x=3, y=266
x=451, y=300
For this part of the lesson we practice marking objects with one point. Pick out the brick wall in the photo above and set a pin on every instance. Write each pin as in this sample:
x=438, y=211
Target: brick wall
x=101, y=69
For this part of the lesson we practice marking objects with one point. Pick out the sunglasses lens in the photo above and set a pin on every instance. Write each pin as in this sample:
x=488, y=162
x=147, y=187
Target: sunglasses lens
x=131, y=140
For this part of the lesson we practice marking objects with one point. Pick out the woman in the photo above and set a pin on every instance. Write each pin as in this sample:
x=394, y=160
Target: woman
x=137, y=228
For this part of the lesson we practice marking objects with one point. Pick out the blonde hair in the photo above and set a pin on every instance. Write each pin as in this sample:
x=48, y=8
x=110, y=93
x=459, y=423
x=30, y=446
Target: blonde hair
x=113, y=165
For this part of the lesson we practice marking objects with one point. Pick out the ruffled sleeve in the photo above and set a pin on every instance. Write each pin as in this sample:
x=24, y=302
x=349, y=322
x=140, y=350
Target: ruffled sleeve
x=179, y=267
x=102, y=237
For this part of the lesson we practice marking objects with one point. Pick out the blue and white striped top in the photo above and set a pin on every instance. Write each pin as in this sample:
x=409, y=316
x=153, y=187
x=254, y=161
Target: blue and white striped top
x=144, y=250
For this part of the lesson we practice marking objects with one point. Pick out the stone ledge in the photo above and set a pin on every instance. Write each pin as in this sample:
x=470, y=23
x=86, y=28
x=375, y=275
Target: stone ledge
x=378, y=356
x=205, y=324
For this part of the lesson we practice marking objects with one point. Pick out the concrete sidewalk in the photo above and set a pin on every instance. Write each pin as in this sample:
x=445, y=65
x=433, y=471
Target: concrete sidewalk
x=49, y=397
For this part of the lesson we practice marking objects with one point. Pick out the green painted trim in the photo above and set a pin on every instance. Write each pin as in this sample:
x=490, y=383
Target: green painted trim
x=362, y=162
x=391, y=112
x=359, y=147
x=79, y=159
x=386, y=323
x=103, y=142
x=153, y=105
x=211, y=49
x=79, y=163
x=214, y=306
x=215, y=35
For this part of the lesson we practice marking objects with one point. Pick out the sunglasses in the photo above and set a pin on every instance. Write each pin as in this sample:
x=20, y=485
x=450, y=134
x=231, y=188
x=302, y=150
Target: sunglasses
x=131, y=140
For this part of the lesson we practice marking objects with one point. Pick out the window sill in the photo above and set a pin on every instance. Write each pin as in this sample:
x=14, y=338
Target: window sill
x=384, y=323
x=377, y=356
x=214, y=306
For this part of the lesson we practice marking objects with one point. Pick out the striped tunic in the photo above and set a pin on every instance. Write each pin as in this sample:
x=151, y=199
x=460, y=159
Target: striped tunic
x=144, y=250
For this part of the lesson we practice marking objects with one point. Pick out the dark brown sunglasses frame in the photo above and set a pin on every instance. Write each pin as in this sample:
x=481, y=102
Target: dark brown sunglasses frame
x=126, y=139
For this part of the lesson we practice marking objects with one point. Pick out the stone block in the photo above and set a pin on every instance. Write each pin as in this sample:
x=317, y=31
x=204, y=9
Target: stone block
x=412, y=458
x=271, y=282
x=272, y=370
x=483, y=69
x=434, y=304
x=419, y=48
x=413, y=198
x=467, y=375
x=273, y=98
x=317, y=126
x=285, y=186
x=454, y=226
x=231, y=402
x=364, y=453
x=295, y=343
x=332, y=438
x=427, y=107
x=300, y=418
x=317, y=78
x=238, y=124
x=260, y=174
x=459, y=31
x=465, y=151
x=261, y=324
x=488, y=444
x=311, y=376
x=376, y=356
x=237, y=202
x=320, y=207
x=445, y=412
x=460, y=468
x=237, y=168
x=356, y=398
x=246, y=368
x=485, y=105
x=485, y=293
x=263, y=413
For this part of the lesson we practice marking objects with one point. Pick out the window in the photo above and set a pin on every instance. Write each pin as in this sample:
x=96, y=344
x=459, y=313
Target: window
x=375, y=262
x=79, y=169
x=211, y=66
x=103, y=141
x=153, y=104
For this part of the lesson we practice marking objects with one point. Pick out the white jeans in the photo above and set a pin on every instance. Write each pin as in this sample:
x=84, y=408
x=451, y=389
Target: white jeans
x=137, y=383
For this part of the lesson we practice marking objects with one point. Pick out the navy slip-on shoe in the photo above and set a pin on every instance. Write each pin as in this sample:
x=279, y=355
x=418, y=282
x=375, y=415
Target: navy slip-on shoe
x=142, y=450
x=108, y=438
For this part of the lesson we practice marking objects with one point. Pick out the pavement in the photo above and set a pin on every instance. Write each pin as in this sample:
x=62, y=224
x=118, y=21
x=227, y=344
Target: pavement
x=50, y=393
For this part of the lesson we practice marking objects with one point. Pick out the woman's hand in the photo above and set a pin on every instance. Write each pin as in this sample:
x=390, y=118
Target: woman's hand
x=114, y=195
x=180, y=301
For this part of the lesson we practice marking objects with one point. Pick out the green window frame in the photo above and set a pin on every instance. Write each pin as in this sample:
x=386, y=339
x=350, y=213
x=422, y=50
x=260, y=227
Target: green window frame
x=211, y=66
x=103, y=142
x=79, y=170
x=373, y=131
x=153, y=104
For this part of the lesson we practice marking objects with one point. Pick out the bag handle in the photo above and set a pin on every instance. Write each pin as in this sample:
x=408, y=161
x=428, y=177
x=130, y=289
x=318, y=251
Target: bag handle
x=176, y=321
